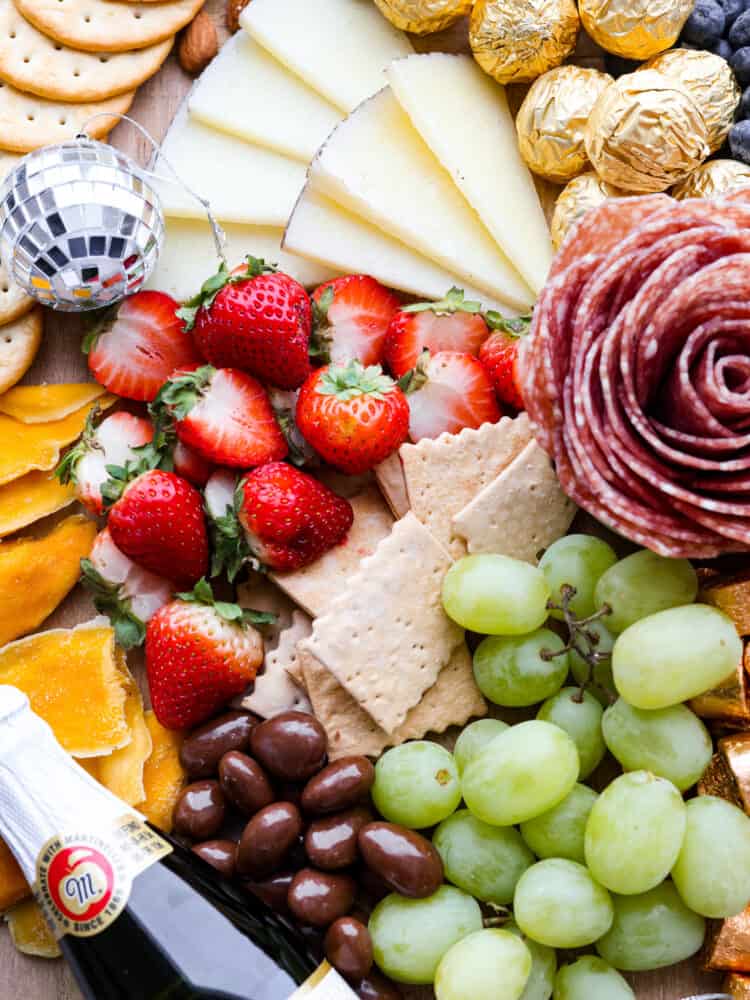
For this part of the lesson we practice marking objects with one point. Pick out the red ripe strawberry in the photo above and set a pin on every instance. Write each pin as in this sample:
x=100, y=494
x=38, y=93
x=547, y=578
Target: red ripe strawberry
x=224, y=415
x=350, y=319
x=499, y=355
x=158, y=522
x=255, y=319
x=289, y=518
x=447, y=392
x=450, y=325
x=111, y=443
x=190, y=465
x=354, y=417
x=138, y=344
x=199, y=654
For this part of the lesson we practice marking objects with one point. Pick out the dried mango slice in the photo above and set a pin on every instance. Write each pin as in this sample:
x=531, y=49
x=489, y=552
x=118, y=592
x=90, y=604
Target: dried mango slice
x=122, y=771
x=30, y=932
x=73, y=680
x=13, y=886
x=163, y=775
x=30, y=498
x=37, y=573
x=39, y=404
x=91, y=764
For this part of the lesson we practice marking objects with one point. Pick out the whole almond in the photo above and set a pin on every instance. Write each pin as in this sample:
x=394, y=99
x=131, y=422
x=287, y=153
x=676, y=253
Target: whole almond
x=198, y=44
x=234, y=9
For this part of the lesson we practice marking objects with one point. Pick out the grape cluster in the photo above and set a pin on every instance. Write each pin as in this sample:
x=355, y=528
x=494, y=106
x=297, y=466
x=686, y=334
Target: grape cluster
x=611, y=649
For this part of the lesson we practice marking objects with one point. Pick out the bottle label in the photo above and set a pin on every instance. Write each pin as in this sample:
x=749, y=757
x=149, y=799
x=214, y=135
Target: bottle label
x=324, y=984
x=83, y=880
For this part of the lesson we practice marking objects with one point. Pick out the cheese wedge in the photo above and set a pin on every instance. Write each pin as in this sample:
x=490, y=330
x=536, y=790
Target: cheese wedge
x=188, y=256
x=338, y=47
x=324, y=232
x=405, y=191
x=463, y=117
x=247, y=93
x=243, y=182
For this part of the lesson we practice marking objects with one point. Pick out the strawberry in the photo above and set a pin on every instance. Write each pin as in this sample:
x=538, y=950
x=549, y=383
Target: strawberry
x=354, y=417
x=190, y=465
x=255, y=319
x=114, y=442
x=224, y=415
x=158, y=522
x=350, y=318
x=448, y=391
x=450, y=325
x=499, y=355
x=229, y=548
x=200, y=653
x=138, y=344
x=122, y=590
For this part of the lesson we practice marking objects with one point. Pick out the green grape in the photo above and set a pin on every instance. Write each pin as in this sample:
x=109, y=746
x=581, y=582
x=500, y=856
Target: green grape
x=543, y=967
x=560, y=904
x=602, y=682
x=410, y=936
x=496, y=595
x=675, y=655
x=486, y=861
x=634, y=832
x=510, y=670
x=643, y=584
x=712, y=873
x=560, y=832
x=416, y=784
x=474, y=738
x=487, y=965
x=578, y=560
x=671, y=742
x=523, y=772
x=590, y=978
x=651, y=931
x=581, y=718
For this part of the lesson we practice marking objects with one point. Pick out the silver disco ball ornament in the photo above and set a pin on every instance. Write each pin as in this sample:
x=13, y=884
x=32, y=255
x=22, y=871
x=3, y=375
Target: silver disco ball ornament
x=80, y=225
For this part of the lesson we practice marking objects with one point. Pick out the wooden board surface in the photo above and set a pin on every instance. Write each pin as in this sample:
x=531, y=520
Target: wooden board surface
x=60, y=360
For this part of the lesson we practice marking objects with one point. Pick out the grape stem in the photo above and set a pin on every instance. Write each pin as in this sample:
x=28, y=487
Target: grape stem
x=581, y=640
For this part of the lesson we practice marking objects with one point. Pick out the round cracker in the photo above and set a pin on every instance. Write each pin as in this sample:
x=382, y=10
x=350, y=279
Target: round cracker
x=108, y=25
x=19, y=342
x=13, y=301
x=28, y=122
x=32, y=62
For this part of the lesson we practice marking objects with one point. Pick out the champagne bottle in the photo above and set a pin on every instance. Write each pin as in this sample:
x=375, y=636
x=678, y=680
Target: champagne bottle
x=137, y=916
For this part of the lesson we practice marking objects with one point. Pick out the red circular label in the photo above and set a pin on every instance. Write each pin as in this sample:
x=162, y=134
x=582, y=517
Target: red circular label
x=81, y=881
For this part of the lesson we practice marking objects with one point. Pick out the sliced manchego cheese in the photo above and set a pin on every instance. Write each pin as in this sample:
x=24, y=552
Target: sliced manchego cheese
x=36, y=574
x=73, y=680
x=40, y=404
x=122, y=770
x=188, y=256
x=328, y=233
x=163, y=775
x=247, y=93
x=338, y=47
x=13, y=886
x=463, y=116
x=243, y=182
x=29, y=931
x=376, y=165
x=30, y=498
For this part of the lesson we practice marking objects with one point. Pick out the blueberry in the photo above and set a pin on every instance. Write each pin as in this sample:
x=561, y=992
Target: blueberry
x=732, y=10
x=739, y=33
x=722, y=48
x=739, y=141
x=743, y=109
x=706, y=24
x=740, y=63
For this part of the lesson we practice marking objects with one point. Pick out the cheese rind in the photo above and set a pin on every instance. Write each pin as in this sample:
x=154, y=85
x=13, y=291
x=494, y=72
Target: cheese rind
x=404, y=190
x=340, y=48
x=247, y=93
x=463, y=117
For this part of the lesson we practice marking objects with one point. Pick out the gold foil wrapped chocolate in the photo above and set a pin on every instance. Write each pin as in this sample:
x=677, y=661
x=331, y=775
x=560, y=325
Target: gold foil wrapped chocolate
x=582, y=193
x=552, y=120
x=709, y=81
x=423, y=16
x=646, y=133
x=726, y=703
x=737, y=986
x=515, y=41
x=736, y=753
x=727, y=944
x=711, y=180
x=635, y=29
x=730, y=594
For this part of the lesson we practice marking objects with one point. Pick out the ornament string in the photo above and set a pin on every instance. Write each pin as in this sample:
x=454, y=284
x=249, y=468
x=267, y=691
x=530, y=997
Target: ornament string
x=218, y=234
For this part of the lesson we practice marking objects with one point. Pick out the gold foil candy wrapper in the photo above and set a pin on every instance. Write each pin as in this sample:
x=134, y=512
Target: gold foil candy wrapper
x=582, y=193
x=729, y=594
x=736, y=753
x=711, y=180
x=422, y=17
x=709, y=81
x=716, y=780
x=515, y=41
x=727, y=944
x=552, y=120
x=726, y=703
x=635, y=29
x=737, y=986
x=646, y=133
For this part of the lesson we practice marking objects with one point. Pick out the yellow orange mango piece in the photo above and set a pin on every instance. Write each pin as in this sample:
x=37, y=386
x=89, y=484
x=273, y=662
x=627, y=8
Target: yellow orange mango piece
x=13, y=886
x=122, y=770
x=39, y=404
x=37, y=573
x=30, y=498
x=163, y=776
x=30, y=932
